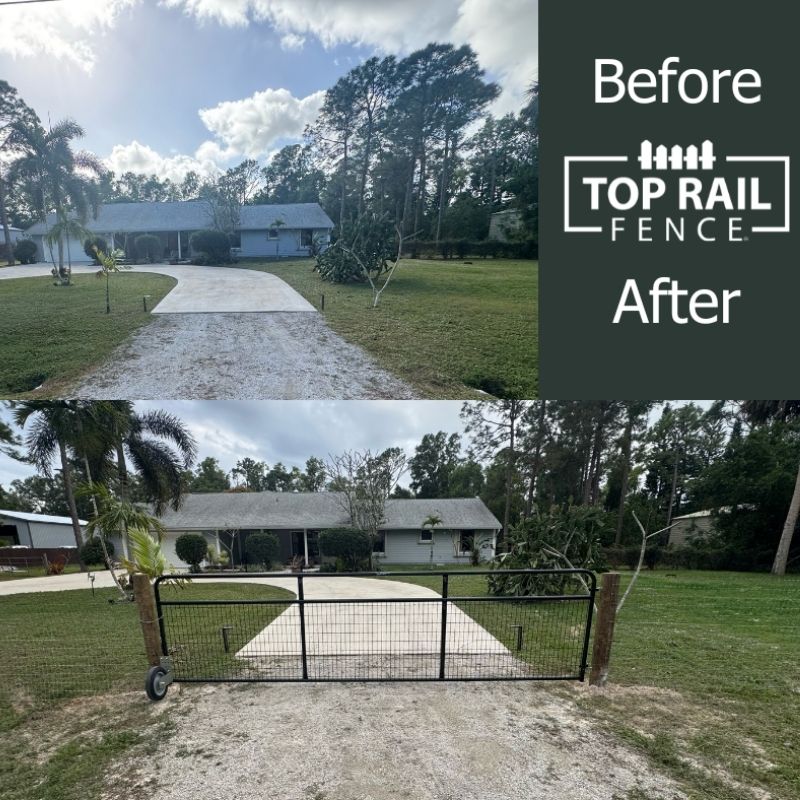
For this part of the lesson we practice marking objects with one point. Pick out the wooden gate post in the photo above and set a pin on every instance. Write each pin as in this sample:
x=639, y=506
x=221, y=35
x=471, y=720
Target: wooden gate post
x=148, y=617
x=604, y=628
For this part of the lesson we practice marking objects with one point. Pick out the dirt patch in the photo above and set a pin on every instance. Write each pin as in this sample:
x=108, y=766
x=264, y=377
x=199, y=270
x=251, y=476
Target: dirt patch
x=238, y=356
x=386, y=742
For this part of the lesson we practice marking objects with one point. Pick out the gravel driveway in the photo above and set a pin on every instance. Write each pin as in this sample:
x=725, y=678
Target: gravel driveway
x=264, y=356
x=411, y=741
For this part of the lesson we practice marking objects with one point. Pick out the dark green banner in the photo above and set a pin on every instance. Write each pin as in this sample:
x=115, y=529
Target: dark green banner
x=668, y=241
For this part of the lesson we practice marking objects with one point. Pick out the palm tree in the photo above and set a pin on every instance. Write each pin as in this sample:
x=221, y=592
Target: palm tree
x=760, y=411
x=56, y=177
x=158, y=445
x=54, y=429
x=429, y=523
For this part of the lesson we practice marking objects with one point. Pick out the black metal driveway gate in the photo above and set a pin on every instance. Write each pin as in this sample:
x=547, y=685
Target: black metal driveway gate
x=531, y=625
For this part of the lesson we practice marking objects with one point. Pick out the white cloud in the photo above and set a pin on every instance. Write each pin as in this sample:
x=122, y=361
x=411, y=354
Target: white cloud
x=140, y=158
x=251, y=126
x=66, y=31
x=291, y=42
x=502, y=32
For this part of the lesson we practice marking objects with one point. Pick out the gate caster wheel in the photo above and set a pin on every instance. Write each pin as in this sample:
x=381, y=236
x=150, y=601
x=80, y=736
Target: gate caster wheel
x=156, y=684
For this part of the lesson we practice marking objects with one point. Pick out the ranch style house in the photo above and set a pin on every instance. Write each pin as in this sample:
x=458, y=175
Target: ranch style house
x=264, y=231
x=297, y=518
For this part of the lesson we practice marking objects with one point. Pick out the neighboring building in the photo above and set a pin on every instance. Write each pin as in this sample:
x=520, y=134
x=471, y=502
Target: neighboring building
x=503, y=224
x=37, y=530
x=227, y=519
x=16, y=235
x=277, y=231
x=700, y=523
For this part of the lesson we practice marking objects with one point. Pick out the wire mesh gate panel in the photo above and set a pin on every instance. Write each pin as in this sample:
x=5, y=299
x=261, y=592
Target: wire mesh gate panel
x=477, y=625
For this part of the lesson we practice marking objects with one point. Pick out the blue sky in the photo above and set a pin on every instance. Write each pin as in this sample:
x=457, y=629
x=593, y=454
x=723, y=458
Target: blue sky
x=138, y=73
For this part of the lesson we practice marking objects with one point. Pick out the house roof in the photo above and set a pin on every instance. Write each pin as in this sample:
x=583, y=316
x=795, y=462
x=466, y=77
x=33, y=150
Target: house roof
x=281, y=510
x=26, y=517
x=710, y=512
x=149, y=217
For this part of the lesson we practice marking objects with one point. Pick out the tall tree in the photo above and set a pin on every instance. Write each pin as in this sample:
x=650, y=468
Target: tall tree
x=53, y=429
x=635, y=414
x=209, y=477
x=494, y=426
x=58, y=178
x=334, y=132
x=435, y=459
x=759, y=411
x=14, y=112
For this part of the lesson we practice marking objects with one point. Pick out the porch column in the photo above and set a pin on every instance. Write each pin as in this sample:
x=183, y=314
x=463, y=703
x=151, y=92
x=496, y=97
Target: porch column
x=216, y=537
x=305, y=544
x=179, y=245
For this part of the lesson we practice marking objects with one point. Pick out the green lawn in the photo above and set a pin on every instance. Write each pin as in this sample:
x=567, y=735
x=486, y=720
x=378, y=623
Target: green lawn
x=705, y=678
x=449, y=328
x=72, y=699
x=50, y=334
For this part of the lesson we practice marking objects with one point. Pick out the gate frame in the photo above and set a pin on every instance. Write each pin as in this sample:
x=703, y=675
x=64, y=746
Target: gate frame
x=587, y=576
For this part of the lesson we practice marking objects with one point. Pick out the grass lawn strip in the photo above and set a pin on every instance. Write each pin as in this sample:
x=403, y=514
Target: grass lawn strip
x=51, y=335
x=448, y=328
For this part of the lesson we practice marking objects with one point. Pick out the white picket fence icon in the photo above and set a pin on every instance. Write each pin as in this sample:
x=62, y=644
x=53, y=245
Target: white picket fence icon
x=662, y=157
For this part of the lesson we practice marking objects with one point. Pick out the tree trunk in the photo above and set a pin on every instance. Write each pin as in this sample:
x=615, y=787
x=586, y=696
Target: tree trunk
x=122, y=471
x=536, y=462
x=674, y=489
x=420, y=188
x=6, y=227
x=365, y=168
x=443, y=192
x=344, y=187
x=782, y=554
x=510, y=470
x=626, y=469
x=66, y=475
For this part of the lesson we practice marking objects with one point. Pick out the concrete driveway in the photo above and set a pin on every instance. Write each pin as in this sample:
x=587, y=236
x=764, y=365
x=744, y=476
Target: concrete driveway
x=203, y=290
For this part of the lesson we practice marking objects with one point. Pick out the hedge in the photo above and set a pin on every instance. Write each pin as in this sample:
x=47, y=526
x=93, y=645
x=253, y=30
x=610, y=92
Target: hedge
x=463, y=248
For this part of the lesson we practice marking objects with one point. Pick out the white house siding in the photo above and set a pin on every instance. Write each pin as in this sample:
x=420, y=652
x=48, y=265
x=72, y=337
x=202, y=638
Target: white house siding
x=76, y=254
x=168, y=547
x=48, y=534
x=404, y=547
x=256, y=244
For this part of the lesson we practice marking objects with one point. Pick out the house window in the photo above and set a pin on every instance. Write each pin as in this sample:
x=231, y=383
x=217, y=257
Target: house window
x=272, y=233
x=379, y=543
x=426, y=536
x=466, y=542
x=306, y=237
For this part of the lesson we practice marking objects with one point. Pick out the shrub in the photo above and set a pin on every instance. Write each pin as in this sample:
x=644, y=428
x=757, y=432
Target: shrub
x=201, y=259
x=262, y=548
x=350, y=546
x=371, y=241
x=573, y=532
x=191, y=549
x=92, y=551
x=25, y=251
x=215, y=246
x=89, y=245
x=148, y=248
